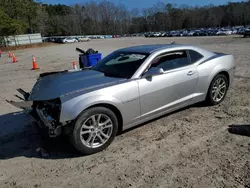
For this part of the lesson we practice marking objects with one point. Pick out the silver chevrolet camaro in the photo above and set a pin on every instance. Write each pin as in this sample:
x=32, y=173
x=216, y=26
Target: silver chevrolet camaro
x=128, y=87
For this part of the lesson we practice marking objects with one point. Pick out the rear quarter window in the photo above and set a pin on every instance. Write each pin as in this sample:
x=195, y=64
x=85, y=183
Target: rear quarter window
x=194, y=56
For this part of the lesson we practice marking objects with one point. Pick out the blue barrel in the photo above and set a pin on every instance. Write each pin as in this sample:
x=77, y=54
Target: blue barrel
x=89, y=60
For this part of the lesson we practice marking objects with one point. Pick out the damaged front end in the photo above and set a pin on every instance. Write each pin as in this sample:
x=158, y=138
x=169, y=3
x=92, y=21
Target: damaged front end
x=45, y=113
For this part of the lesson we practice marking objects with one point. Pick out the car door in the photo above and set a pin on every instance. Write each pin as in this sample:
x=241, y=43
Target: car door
x=172, y=89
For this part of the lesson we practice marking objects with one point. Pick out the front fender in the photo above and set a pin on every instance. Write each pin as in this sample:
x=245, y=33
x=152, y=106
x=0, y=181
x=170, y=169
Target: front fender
x=72, y=108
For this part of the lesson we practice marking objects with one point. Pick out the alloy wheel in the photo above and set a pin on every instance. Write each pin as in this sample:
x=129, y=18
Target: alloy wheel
x=219, y=89
x=96, y=130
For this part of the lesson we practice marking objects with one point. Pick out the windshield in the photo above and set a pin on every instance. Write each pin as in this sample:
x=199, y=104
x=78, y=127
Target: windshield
x=120, y=64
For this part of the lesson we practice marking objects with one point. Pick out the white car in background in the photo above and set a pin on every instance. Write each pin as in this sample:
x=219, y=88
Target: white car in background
x=84, y=39
x=234, y=31
x=69, y=40
x=229, y=32
x=224, y=32
x=191, y=33
x=157, y=34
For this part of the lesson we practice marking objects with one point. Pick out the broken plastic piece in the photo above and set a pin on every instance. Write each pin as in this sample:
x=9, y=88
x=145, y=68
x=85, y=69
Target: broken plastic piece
x=24, y=93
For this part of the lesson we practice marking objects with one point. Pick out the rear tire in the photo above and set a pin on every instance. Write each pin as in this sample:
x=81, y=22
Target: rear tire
x=217, y=90
x=94, y=121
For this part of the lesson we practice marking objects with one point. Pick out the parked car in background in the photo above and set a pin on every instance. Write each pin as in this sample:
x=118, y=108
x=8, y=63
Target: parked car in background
x=126, y=88
x=220, y=33
x=191, y=33
x=59, y=40
x=149, y=34
x=213, y=31
x=185, y=33
x=200, y=33
x=247, y=32
x=69, y=40
x=157, y=34
x=241, y=31
x=224, y=32
x=83, y=39
x=234, y=31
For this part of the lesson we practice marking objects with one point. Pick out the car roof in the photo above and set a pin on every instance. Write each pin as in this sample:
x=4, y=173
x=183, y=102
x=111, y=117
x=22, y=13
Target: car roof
x=150, y=48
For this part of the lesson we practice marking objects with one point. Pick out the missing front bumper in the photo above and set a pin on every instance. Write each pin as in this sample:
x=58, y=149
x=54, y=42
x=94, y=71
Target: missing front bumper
x=38, y=116
x=43, y=122
x=33, y=115
x=37, y=113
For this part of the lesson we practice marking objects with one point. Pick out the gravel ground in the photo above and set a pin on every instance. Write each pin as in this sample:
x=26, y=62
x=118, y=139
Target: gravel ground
x=194, y=147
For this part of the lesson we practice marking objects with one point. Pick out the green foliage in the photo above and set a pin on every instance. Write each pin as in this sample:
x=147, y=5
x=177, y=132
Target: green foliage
x=28, y=16
x=16, y=16
x=9, y=26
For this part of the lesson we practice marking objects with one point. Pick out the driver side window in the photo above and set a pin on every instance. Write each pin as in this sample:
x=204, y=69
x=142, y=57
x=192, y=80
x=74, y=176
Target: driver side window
x=172, y=60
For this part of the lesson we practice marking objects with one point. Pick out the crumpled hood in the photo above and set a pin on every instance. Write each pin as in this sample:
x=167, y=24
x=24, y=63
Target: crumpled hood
x=55, y=85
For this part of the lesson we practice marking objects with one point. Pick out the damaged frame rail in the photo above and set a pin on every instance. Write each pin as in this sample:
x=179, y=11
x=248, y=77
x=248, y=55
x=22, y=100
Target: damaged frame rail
x=35, y=113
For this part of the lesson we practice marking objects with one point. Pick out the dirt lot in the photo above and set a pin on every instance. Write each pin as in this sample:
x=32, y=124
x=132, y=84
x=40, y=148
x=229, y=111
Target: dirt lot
x=189, y=148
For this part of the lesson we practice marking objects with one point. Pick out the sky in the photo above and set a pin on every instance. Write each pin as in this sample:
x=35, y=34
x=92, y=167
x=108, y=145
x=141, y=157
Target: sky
x=144, y=3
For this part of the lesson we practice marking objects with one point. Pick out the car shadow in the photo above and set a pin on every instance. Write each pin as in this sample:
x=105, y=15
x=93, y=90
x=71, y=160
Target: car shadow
x=243, y=130
x=19, y=136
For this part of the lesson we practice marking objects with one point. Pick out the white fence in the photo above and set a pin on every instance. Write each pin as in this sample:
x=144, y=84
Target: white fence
x=23, y=39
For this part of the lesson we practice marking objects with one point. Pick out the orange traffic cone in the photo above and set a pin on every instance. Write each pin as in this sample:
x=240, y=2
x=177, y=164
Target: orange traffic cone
x=9, y=54
x=74, y=65
x=35, y=66
x=14, y=60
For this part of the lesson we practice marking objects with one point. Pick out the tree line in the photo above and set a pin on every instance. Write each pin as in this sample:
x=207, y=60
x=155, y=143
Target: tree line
x=29, y=16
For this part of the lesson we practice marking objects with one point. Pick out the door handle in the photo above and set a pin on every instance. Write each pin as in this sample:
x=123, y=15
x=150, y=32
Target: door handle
x=190, y=73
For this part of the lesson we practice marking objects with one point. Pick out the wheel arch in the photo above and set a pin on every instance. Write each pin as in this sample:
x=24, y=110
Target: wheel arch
x=223, y=72
x=113, y=109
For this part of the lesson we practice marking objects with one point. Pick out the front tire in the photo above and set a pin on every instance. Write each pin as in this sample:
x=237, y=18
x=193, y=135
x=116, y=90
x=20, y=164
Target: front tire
x=217, y=90
x=94, y=130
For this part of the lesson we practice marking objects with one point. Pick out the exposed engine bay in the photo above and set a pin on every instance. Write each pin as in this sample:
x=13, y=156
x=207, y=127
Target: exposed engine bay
x=45, y=113
x=49, y=114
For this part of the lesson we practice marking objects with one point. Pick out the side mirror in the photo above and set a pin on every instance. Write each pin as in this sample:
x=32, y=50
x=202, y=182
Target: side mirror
x=153, y=72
